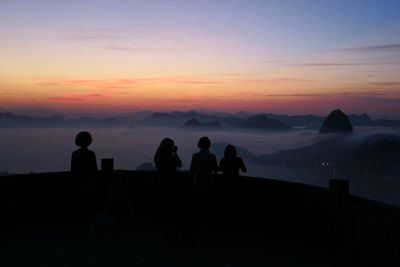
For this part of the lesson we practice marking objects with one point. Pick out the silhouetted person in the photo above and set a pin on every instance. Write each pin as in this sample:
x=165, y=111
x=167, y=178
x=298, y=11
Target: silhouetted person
x=166, y=158
x=167, y=161
x=231, y=164
x=204, y=164
x=83, y=160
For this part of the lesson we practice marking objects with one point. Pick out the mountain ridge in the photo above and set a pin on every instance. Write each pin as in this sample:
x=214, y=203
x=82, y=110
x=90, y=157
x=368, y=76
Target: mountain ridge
x=178, y=118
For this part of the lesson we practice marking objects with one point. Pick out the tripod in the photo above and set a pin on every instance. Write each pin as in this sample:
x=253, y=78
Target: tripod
x=118, y=188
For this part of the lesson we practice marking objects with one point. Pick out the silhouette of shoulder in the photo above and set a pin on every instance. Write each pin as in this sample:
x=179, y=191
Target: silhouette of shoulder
x=204, y=161
x=83, y=160
x=232, y=166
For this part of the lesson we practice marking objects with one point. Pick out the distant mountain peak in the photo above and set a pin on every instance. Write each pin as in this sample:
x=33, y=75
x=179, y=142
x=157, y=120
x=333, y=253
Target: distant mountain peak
x=194, y=123
x=261, y=121
x=336, y=122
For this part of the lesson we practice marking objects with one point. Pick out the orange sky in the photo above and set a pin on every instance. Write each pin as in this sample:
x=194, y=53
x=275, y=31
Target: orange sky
x=81, y=58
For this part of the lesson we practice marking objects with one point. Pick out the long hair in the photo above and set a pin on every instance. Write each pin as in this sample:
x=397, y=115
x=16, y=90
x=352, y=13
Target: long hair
x=230, y=152
x=164, y=150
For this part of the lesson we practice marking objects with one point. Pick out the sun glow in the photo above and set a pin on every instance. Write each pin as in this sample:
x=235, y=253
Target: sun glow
x=72, y=59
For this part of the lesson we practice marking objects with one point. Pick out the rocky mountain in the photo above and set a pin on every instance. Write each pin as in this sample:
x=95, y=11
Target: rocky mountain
x=242, y=120
x=309, y=121
x=336, y=122
x=373, y=153
x=178, y=118
x=245, y=120
x=261, y=122
x=361, y=120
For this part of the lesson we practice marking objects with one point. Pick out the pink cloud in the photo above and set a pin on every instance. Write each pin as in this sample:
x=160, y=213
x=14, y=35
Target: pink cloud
x=386, y=83
x=183, y=80
x=123, y=82
x=75, y=98
x=66, y=98
x=95, y=96
x=94, y=83
x=279, y=80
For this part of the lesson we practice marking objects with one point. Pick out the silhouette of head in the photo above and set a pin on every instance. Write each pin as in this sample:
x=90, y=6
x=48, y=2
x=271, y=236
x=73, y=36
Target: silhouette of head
x=83, y=139
x=230, y=151
x=204, y=143
x=167, y=144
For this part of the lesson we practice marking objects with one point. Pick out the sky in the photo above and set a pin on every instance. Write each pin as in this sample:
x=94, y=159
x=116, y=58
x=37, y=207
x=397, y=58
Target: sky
x=281, y=56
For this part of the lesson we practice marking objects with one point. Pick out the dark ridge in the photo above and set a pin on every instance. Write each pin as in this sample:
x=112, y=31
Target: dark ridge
x=131, y=218
x=262, y=122
x=159, y=115
x=374, y=155
x=336, y=122
x=194, y=123
x=178, y=118
x=361, y=120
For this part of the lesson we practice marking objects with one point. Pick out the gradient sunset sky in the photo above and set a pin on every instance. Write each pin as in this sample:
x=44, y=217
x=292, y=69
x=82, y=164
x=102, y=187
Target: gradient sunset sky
x=293, y=57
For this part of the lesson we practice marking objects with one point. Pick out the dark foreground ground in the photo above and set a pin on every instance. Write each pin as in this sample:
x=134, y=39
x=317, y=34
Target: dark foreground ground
x=57, y=219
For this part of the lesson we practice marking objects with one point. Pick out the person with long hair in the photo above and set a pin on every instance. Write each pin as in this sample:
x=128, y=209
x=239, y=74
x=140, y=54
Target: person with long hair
x=166, y=158
x=231, y=164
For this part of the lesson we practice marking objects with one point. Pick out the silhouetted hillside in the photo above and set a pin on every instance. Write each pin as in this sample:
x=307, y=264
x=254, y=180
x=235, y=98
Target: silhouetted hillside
x=177, y=118
x=180, y=115
x=245, y=120
x=361, y=120
x=130, y=218
x=336, y=122
x=262, y=122
x=242, y=114
x=376, y=153
x=308, y=121
x=194, y=123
